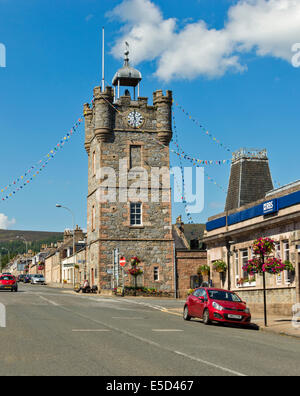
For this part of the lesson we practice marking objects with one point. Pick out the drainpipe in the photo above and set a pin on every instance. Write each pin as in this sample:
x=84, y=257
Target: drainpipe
x=175, y=272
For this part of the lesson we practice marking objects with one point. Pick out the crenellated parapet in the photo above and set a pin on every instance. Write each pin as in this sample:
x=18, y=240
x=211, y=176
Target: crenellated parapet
x=163, y=107
x=103, y=114
x=89, y=126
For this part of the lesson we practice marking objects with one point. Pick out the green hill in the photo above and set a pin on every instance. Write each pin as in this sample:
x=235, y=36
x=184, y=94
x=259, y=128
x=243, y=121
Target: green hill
x=30, y=236
x=10, y=245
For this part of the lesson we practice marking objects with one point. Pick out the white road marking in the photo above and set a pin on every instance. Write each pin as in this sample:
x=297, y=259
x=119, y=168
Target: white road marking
x=49, y=301
x=126, y=318
x=89, y=330
x=149, y=342
x=210, y=364
x=166, y=330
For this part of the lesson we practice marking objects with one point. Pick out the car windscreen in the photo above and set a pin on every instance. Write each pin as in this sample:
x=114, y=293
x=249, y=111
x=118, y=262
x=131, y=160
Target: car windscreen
x=6, y=278
x=223, y=296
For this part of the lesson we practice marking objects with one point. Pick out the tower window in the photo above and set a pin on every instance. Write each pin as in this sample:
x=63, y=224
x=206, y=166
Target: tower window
x=135, y=156
x=94, y=163
x=156, y=274
x=93, y=218
x=135, y=214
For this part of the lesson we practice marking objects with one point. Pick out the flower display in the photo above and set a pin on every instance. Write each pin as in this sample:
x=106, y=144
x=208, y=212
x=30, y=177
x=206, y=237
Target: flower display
x=220, y=266
x=135, y=271
x=263, y=246
x=134, y=261
x=273, y=266
x=253, y=266
x=289, y=266
x=203, y=269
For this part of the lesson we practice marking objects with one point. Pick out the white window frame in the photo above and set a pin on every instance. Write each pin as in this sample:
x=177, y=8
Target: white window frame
x=286, y=256
x=242, y=257
x=134, y=224
x=278, y=256
x=237, y=267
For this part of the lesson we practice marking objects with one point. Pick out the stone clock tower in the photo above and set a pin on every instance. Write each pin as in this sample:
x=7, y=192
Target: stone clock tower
x=120, y=129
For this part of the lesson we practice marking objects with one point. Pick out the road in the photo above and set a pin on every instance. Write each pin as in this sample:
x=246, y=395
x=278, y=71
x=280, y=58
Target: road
x=52, y=332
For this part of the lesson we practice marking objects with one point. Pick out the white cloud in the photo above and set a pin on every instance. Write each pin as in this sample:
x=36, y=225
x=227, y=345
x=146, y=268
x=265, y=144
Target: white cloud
x=5, y=223
x=268, y=27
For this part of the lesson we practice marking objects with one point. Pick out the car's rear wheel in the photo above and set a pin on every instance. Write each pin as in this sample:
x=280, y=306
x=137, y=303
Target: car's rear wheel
x=186, y=315
x=206, y=319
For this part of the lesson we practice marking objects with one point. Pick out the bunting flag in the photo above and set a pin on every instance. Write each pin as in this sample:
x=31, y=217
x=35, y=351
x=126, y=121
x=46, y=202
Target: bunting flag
x=198, y=161
x=27, y=177
x=202, y=127
x=193, y=160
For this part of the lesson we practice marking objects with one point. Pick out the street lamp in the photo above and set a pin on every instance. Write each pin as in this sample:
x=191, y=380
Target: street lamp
x=26, y=243
x=73, y=218
x=229, y=254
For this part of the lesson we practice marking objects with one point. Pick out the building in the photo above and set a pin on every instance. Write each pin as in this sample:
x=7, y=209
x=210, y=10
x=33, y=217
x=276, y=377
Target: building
x=190, y=253
x=54, y=274
x=229, y=237
x=74, y=267
x=131, y=138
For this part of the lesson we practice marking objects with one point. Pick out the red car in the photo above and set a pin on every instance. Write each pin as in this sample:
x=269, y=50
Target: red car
x=217, y=305
x=8, y=282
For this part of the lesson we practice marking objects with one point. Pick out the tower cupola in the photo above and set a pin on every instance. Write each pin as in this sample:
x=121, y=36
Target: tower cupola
x=127, y=76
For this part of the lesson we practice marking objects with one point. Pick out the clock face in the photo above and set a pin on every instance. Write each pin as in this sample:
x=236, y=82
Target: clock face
x=135, y=119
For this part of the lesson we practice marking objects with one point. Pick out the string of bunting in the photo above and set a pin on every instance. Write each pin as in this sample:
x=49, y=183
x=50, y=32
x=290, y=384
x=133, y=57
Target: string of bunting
x=202, y=127
x=23, y=180
x=198, y=161
x=195, y=163
x=188, y=214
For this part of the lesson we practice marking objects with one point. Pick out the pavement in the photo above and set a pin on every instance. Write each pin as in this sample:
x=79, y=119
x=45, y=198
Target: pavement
x=54, y=332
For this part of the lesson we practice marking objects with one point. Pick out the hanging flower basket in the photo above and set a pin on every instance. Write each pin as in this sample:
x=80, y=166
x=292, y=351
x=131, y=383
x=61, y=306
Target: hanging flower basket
x=273, y=266
x=220, y=266
x=253, y=266
x=203, y=270
x=134, y=261
x=263, y=246
x=135, y=271
x=289, y=266
x=41, y=267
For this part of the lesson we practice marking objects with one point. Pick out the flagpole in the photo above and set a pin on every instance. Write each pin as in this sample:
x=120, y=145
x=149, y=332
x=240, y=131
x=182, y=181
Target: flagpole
x=103, y=80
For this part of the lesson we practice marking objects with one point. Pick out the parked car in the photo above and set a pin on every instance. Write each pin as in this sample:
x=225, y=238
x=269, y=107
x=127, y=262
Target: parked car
x=37, y=279
x=8, y=282
x=20, y=278
x=216, y=305
x=27, y=278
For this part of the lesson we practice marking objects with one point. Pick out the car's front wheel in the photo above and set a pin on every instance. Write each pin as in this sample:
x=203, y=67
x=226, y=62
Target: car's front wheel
x=206, y=319
x=186, y=315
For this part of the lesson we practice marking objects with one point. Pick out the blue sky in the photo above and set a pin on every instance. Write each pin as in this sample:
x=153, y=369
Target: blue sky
x=238, y=81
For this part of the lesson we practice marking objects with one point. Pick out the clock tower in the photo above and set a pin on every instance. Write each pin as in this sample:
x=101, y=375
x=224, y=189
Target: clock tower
x=128, y=136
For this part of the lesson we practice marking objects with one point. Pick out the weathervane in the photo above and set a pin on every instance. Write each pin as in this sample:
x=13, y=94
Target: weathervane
x=126, y=53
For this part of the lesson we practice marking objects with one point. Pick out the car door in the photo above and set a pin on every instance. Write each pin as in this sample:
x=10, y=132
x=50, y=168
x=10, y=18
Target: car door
x=200, y=303
x=193, y=300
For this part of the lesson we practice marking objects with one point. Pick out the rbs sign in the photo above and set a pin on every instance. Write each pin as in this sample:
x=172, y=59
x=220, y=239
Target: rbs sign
x=270, y=207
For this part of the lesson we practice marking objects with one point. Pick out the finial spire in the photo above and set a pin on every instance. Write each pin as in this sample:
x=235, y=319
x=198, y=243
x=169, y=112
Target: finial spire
x=126, y=53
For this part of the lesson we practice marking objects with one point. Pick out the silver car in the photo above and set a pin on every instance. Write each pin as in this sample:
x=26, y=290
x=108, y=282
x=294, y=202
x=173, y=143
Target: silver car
x=37, y=279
